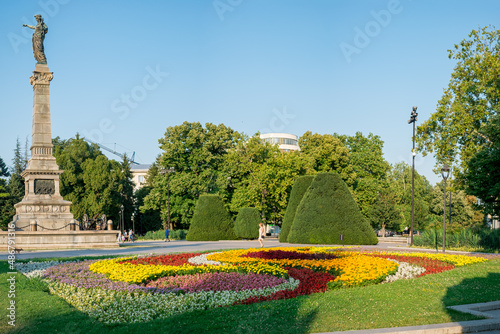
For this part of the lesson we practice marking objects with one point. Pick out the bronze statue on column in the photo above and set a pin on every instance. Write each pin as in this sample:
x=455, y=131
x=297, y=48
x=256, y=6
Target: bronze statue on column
x=38, y=38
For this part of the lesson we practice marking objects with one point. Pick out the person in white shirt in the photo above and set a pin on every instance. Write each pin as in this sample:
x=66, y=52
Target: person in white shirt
x=261, y=234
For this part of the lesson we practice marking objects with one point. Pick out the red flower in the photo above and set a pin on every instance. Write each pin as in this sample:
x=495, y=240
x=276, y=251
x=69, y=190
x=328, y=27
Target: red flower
x=431, y=266
x=167, y=260
x=310, y=282
x=279, y=255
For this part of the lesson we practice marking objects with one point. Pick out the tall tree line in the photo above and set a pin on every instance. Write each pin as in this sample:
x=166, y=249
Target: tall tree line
x=248, y=172
x=93, y=183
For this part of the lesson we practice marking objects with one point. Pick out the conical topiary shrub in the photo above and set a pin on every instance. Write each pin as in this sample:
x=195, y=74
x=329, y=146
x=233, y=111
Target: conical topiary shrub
x=210, y=221
x=298, y=190
x=247, y=222
x=328, y=210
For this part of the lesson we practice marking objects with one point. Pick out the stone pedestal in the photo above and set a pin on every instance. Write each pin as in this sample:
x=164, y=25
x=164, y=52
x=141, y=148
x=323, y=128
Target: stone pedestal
x=58, y=239
x=42, y=200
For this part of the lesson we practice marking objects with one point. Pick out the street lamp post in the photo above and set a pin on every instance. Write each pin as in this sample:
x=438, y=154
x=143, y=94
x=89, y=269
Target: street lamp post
x=413, y=119
x=168, y=171
x=133, y=221
x=122, y=218
x=445, y=172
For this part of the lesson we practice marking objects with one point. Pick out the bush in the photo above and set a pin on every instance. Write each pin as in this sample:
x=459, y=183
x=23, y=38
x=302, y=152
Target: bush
x=299, y=188
x=328, y=210
x=247, y=222
x=210, y=221
x=490, y=239
x=468, y=238
x=160, y=235
x=178, y=234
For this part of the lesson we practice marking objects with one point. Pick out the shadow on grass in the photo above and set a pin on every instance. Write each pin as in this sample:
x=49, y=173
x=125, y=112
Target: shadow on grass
x=471, y=291
x=39, y=312
x=275, y=317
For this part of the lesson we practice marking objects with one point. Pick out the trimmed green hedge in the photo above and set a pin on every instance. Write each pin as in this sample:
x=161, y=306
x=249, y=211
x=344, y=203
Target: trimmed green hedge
x=328, y=210
x=246, y=225
x=299, y=188
x=210, y=221
x=160, y=235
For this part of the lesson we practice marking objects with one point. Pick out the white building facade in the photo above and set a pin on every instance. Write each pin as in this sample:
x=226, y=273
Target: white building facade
x=287, y=142
x=139, y=173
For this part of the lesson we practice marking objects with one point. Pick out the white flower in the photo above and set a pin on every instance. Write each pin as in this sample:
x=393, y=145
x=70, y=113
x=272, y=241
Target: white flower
x=35, y=269
x=202, y=260
x=405, y=271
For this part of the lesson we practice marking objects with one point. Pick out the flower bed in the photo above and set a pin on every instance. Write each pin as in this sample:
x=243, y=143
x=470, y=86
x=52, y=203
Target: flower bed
x=217, y=282
x=350, y=268
x=133, y=289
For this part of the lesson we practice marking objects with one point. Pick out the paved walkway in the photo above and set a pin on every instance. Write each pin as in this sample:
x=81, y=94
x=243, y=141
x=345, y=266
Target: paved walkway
x=176, y=246
x=489, y=310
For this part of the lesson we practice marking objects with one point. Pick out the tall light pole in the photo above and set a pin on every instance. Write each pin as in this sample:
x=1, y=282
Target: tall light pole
x=168, y=171
x=445, y=172
x=122, y=218
x=133, y=221
x=413, y=119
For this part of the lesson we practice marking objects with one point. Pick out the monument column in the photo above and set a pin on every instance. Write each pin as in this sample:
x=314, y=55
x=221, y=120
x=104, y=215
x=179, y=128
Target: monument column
x=43, y=218
x=42, y=201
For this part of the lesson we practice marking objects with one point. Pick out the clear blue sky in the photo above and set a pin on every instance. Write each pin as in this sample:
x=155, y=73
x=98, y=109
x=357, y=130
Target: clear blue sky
x=124, y=71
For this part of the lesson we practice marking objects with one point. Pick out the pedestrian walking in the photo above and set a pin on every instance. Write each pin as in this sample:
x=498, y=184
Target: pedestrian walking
x=167, y=232
x=261, y=234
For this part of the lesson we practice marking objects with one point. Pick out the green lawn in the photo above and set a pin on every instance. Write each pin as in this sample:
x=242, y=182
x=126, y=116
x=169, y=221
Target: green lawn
x=402, y=303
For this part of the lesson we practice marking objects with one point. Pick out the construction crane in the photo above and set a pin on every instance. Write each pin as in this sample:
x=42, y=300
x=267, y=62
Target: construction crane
x=114, y=152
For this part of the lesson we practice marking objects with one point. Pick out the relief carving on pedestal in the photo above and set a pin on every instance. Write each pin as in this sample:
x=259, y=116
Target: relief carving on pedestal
x=44, y=187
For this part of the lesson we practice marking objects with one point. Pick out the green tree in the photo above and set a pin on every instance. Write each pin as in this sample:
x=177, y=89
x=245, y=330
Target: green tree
x=15, y=187
x=367, y=160
x=247, y=223
x=452, y=133
x=261, y=176
x=365, y=155
x=243, y=175
x=327, y=211
x=197, y=155
x=94, y=184
x=70, y=156
x=16, y=181
x=462, y=210
x=327, y=153
x=4, y=195
x=211, y=221
x=145, y=220
x=399, y=184
x=483, y=174
x=384, y=213
x=4, y=170
x=123, y=192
